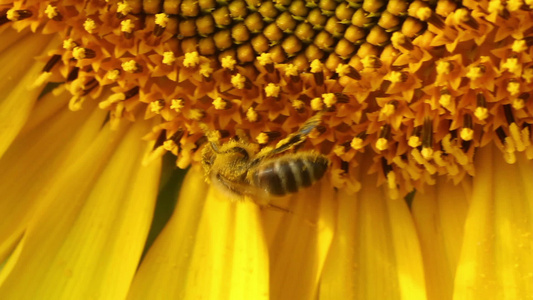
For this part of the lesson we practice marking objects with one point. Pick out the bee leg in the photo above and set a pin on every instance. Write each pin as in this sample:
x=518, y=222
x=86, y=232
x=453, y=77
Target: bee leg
x=276, y=208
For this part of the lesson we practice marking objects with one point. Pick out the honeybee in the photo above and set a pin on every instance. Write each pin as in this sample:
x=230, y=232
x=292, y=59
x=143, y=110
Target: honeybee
x=238, y=168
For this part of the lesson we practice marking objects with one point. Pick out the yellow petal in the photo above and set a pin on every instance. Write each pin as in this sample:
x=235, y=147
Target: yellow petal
x=375, y=253
x=299, y=241
x=87, y=235
x=439, y=213
x=212, y=248
x=34, y=159
x=496, y=259
x=17, y=76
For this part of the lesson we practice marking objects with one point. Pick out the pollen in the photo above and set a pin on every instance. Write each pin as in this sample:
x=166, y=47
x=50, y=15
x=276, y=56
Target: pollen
x=161, y=20
x=252, y=115
x=168, y=58
x=157, y=106
x=170, y=145
x=206, y=70
x=89, y=25
x=519, y=46
x=414, y=141
x=51, y=11
x=130, y=66
x=481, y=113
x=396, y=77
x=444, y=67
x=382, y=144
x=417, y=85
x=317, y=104
x=265, y=59
x=177, y=105
x=467, y=134
x=191, y=59
x=329, y=99
x=475, y=73
x=78, y=53
x=113, y=74
x=69, y=44
x=357, y=143
x=13, y=15
x=262, y=138
x=513, y=88
x=512, y=65
x=272, y=90
x=220, y=103
x=124, y=8
x=127, y=26
x=388, y=110
x=238, y=81
x=228, y=62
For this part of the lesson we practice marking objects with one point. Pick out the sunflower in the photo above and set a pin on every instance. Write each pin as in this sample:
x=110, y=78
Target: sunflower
x=425, y=119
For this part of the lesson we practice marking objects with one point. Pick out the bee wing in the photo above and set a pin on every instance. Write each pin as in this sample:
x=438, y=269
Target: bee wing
x=296, y=138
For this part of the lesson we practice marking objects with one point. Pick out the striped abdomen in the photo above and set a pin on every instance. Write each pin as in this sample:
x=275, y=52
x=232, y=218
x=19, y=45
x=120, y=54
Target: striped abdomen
x=289, y=173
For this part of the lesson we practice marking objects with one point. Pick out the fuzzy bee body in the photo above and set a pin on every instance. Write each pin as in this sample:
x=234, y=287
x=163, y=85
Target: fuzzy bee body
x=290, y=173
x=238, y=168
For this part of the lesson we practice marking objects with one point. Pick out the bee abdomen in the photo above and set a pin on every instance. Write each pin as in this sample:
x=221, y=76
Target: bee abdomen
x=281, y=177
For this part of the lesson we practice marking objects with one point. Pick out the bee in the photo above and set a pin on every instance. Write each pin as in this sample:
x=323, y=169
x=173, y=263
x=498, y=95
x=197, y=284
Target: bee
x=238, y=168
